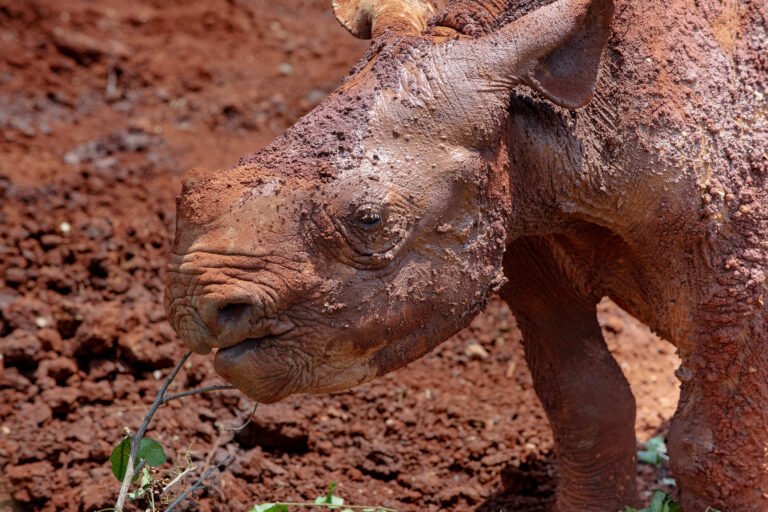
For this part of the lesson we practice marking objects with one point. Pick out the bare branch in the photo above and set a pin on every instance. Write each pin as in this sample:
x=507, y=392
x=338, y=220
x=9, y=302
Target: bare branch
x=178, y=478
x=199, y=482
x=198, y=391
x=163, y=398
x=307, y=504
x=136, y=439
x=241, y=427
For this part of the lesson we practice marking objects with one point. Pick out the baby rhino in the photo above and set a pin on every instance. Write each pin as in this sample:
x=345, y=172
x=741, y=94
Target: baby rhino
x=554, y=152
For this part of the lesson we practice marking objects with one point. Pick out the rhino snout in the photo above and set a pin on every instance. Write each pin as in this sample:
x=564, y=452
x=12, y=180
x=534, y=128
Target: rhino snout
x=223, y=315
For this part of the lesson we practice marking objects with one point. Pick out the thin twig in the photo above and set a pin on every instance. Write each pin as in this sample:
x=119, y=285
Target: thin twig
x=377, y=508
x=224, y=437
x=199, y=482
x=190, y=392
x=136, y=439
x=178, y=478
x=241, y=427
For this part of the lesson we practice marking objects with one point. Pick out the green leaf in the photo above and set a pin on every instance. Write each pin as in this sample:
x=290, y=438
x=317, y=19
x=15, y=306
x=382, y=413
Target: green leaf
x=144, y=487
x=329, y=494
x=657, y=444
x=328, y=499
x=657, y=501
x=655, y=452
x=151, y=451
x=660, y=502
x=646, y=457
x=146, y=478
x=270, y=507
x=335, y=502
x=119, y=458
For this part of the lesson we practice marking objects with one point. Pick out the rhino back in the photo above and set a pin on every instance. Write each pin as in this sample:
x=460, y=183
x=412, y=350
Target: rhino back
x=676, y=140
x=679, y=116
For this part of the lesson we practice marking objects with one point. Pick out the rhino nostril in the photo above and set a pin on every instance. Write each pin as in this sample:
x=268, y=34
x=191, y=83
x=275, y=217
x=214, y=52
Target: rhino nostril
x=232, y=313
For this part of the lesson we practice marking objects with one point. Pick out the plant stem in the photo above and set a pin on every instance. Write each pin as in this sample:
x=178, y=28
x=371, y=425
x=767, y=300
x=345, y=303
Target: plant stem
x=377, y=508
x=178, y=478
x=240, y=427
x=136, y=439
x=207, y=389
x=199, y=483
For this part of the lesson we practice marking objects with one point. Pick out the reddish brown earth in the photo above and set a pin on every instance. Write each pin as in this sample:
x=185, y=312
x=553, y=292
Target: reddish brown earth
x=102, y=106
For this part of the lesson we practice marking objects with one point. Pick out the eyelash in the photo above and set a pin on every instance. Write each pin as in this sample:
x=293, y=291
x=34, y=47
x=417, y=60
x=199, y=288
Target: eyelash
x=370, y=219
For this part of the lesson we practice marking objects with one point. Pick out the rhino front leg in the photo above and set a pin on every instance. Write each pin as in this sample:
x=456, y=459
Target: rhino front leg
x=719, y=435
x=588, y=401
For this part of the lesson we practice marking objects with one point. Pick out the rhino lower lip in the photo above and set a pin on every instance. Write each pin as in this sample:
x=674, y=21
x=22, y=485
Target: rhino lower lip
x=246, y=345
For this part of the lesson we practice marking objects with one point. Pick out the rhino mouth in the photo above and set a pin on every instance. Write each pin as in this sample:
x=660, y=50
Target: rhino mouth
x=255, y=368
x=240, y=348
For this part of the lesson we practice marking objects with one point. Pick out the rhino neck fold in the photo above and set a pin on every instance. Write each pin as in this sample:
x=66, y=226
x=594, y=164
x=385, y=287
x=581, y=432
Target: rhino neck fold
x=547, y=171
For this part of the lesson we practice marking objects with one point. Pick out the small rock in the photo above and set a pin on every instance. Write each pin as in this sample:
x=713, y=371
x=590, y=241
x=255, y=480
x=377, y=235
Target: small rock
x=15, y=275
x=21, y=348
x=85, y=49
x=471, y=493
x=495, y=459
x=381, y=461
x=11, y=378
x=49, y=240
x=51, y=340
x=27, y=313
x=61, y=400
x=99, y=494
x=38, y=413
x=124, y=386
x=100, y=391
x=96, y=334
x=475, y=351
x=249, y=464
x=613, y=324
x=59, y=369
x=118, y=283
x=277, y=427
x=427, y=483
x=271, y=467
x=31, y=482
x=139, y=346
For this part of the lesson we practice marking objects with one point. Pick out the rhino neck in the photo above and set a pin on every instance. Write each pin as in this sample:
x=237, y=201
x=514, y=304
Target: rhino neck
x=547, y=170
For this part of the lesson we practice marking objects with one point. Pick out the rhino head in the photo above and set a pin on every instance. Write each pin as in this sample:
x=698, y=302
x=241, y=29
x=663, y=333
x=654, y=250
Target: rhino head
x=374, y=228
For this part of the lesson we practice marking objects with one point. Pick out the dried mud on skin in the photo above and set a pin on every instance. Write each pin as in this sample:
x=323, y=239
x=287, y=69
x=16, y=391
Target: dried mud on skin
x=102, y=105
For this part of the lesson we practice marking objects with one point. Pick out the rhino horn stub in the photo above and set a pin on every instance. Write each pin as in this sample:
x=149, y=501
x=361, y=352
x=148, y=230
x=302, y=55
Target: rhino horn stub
x=366, y=19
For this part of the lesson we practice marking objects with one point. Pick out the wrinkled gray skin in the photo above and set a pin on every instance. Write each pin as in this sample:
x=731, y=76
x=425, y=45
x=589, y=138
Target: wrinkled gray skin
x=381, y=222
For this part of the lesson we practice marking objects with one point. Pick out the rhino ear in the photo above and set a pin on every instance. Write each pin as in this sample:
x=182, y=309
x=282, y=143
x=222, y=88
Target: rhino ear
x=555, y=49
x=371, y=18
x=567, y=75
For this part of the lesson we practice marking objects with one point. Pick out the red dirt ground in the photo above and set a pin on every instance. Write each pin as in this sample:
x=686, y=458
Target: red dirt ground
x=102, y=106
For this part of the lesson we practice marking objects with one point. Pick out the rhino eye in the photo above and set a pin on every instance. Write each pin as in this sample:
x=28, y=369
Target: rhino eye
x=369, y=218
x=368, y=231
